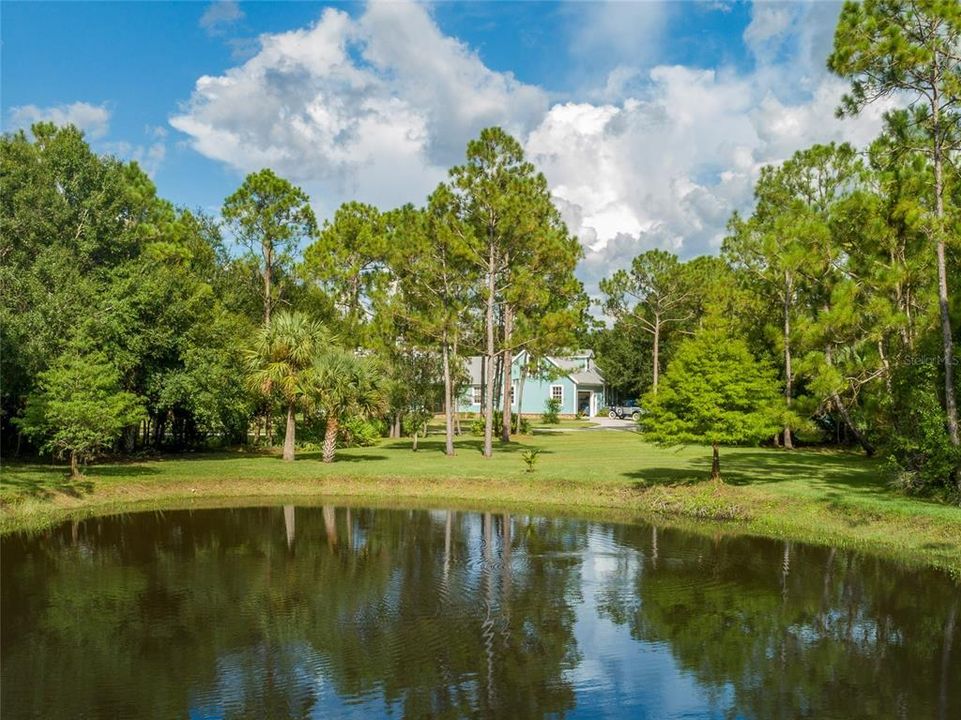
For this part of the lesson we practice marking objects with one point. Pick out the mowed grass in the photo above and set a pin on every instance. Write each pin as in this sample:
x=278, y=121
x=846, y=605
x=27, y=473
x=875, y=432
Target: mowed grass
x=817, y=496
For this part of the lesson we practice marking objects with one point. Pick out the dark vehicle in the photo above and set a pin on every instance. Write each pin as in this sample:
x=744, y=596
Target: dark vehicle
x=622, y=412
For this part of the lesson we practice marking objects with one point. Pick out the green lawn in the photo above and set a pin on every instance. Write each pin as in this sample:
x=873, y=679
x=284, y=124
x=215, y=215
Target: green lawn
x=810, y=495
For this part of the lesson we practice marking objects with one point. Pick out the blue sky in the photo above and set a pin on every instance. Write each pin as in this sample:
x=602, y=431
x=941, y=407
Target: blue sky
x=651, y=120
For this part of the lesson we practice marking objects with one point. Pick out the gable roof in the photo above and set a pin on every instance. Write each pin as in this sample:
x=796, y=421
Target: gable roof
x=572, y=366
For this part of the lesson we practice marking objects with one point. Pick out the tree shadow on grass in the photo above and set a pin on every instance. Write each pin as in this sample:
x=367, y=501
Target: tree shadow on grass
x=123, y=470
x=36, y=482
x=433, y=445
x=513, y=447
x=751, y=467
x=834, y=477
x=362, y=457
x=668, y=476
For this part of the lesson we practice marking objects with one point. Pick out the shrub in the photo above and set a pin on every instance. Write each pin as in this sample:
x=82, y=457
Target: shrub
x=358, y=432
x=477, y=424
x=552, y=411
x=922, y=460
x=530, y=458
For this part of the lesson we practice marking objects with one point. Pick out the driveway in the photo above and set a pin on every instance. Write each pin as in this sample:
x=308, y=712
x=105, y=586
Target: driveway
x=607, y=423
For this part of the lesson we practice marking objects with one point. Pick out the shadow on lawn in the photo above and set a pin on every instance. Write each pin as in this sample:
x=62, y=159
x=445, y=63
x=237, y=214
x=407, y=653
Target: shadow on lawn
x=837, y=473
x=35, y=481
x=339, y=457
x=432, y=445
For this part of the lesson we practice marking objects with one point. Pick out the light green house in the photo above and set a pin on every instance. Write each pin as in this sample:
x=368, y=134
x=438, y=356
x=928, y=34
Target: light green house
x=572, y=379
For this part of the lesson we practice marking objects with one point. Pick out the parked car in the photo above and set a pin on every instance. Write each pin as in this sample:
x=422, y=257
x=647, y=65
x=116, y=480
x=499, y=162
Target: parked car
x=622, y=412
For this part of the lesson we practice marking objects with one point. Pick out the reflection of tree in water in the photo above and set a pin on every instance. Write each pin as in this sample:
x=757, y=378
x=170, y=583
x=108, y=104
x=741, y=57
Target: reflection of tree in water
x=270, y=612
x=442, y=641
x=796, y=631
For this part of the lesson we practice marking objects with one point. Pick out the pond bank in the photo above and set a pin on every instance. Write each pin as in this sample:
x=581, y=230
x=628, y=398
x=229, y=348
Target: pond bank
x=826, y=498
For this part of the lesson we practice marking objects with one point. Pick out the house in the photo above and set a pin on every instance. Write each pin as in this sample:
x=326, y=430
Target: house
x=573, y=379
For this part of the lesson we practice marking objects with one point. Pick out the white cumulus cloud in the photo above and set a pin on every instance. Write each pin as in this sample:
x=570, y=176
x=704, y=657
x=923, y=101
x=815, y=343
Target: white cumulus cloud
x=668, y=168
x=94, y=120
x=375, y=107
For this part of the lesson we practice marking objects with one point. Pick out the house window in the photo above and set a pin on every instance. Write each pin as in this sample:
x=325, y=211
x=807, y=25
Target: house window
x=557, y=393
x=513, y=393
x=477, y=395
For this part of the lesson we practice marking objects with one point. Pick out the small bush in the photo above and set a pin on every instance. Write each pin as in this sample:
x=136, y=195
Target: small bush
x=530, y=458
x=552, y=412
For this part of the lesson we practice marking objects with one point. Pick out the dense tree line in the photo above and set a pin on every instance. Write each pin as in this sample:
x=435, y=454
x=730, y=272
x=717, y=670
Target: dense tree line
x=129, y=324
x=845, y=278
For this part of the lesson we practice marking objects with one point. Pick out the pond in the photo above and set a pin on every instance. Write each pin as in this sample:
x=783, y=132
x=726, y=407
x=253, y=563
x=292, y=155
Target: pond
x=317, y=612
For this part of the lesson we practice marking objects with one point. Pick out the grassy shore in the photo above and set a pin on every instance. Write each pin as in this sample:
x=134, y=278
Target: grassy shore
x=808, y=495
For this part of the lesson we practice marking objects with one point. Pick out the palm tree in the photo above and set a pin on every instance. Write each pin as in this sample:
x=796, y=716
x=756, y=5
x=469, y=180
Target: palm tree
x=281, y=354
x=342, y=385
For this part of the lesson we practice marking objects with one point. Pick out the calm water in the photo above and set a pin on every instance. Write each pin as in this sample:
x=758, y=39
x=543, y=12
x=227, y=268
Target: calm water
x=335, y=612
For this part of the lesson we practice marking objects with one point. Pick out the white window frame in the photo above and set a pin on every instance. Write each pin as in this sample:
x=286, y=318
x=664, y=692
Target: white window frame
x=561, y=398
x=476, y=395
x=513, y=393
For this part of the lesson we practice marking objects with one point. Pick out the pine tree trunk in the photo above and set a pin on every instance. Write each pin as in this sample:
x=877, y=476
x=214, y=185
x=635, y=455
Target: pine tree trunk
x=657, y=351
x=490, y=352
x=788, y=372
x=330, y=439
x=947, y=340
x=448, y=402
x=715, y=463
x=290, y=435
x=268, y=252
x=506, y=364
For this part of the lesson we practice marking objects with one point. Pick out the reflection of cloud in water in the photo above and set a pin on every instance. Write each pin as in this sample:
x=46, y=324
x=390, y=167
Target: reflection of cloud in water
x=618, y=675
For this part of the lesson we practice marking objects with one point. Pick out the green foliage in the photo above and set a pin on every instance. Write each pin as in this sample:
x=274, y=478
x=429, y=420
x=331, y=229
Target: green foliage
x=78, y=407
x=280, y=364
x=269, y=216
x=884, y=46
x=922, y=460
x=477, y=423
x=339, y=384
x=714, y=391
x=362, y=432
x=354, y=432
x=348, y=261
x=623, y=354
x=552, y=410
x=282, y=352
x=529, y=457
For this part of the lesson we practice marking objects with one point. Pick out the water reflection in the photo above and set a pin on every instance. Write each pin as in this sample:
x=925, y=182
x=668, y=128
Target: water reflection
x=319, y=612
